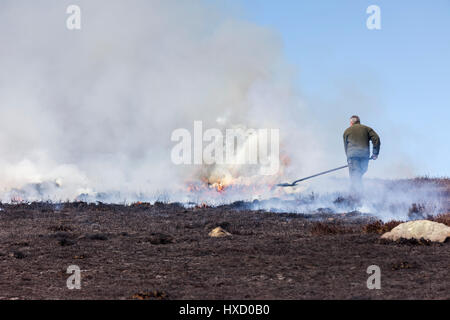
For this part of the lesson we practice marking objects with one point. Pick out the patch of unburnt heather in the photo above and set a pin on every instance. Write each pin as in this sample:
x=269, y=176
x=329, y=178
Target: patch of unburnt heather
x=445, y=182
x=422, y=212
x=141, y=205
x=160, y=204
x=417, y=211
x=408, y=242
x=327, y=228
x=419, y=182
x=442, y=218
x=379, y=227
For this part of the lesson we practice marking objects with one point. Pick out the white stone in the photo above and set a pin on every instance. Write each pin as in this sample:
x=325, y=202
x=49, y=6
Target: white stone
x=429, y=230
x=218, y=233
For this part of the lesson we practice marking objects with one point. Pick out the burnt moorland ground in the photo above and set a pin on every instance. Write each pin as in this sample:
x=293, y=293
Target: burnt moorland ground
x=163, y=251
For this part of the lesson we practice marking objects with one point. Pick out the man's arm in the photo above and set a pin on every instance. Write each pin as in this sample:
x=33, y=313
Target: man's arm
x=345, y=143
x=375, y=142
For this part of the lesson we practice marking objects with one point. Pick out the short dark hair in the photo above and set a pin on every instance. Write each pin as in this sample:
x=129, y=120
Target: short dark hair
x=355, y=119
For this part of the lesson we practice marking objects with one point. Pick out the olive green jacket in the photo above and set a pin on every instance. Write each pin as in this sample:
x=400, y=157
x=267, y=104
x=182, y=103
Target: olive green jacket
x=356, y=141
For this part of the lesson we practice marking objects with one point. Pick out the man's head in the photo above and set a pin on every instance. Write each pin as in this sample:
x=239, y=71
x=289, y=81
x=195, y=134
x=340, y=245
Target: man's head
x=354, y=120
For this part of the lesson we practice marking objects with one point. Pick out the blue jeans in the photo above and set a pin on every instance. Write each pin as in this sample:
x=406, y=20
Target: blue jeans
x=357, y=167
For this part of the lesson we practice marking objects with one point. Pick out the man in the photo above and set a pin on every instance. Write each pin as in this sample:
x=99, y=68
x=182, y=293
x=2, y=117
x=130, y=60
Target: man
x=357, y=149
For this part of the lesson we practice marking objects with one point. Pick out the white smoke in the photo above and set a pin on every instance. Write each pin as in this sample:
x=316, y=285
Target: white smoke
x=93, y=110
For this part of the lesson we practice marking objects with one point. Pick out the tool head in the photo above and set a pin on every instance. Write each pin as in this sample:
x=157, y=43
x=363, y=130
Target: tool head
x=285, y=185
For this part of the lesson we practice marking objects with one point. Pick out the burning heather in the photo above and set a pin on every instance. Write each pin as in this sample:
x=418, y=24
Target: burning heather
x=386, y=200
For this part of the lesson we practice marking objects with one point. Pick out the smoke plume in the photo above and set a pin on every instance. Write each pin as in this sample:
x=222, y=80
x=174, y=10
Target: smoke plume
x=91, y=111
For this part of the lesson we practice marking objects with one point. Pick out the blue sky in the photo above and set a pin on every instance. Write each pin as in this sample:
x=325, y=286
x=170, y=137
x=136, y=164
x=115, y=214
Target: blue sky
x=402, y=70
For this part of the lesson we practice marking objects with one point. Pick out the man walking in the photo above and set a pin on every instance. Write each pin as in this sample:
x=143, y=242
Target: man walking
x=357, y=149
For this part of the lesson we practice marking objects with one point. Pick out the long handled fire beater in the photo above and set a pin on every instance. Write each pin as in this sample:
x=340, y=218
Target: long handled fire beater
x=313, y=176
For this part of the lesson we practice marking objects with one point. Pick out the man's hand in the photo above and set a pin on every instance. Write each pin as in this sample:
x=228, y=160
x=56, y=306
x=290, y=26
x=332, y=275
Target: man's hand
x=374, y=157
